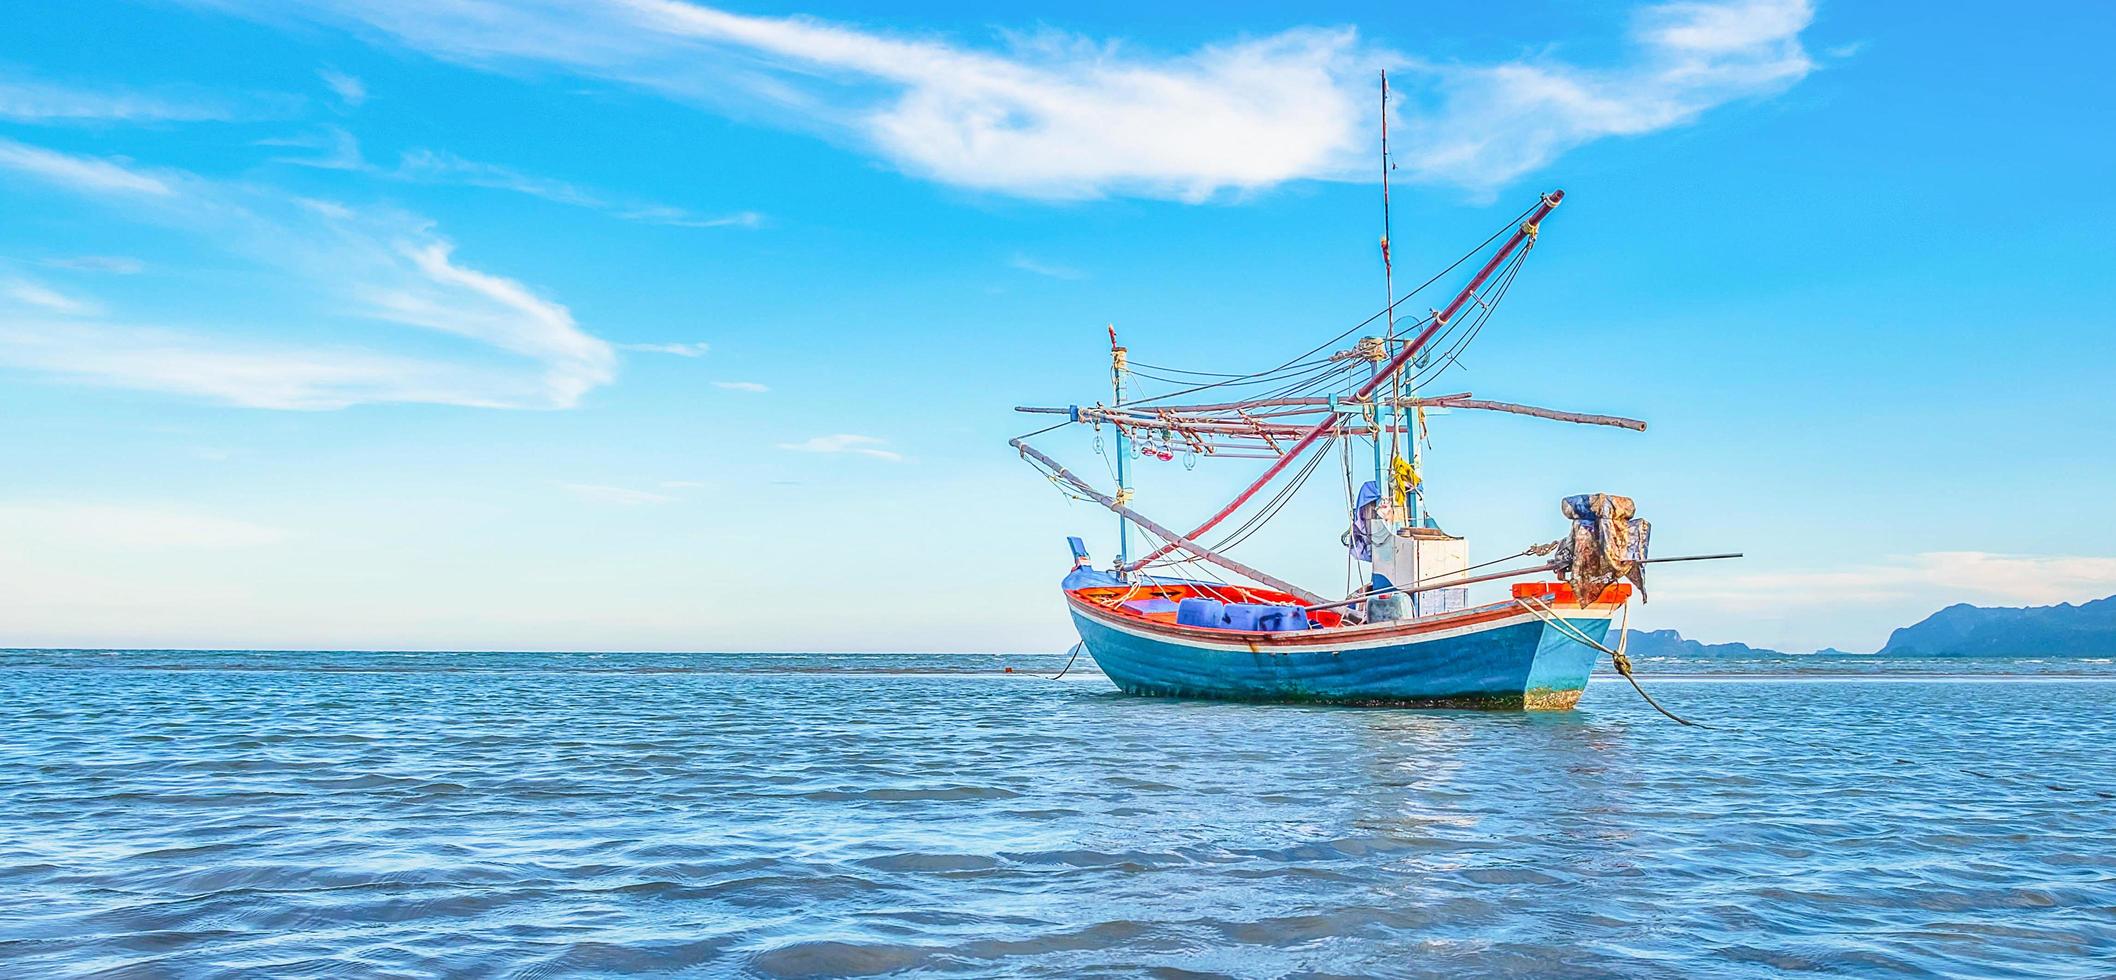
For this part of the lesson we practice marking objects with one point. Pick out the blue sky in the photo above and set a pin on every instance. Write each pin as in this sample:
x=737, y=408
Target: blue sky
x=653, y=325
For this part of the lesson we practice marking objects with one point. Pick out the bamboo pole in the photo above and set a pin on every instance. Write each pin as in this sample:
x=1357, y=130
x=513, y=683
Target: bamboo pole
x=1443, y=401
x=1546, y=413
x=1259, y=403
x=1175, y=540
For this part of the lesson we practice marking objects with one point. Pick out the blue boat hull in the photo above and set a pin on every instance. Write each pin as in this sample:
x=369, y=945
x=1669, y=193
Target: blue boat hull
x=1497, y=657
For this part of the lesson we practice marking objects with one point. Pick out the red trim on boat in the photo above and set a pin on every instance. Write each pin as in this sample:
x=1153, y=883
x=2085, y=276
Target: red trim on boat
x=1104, y=602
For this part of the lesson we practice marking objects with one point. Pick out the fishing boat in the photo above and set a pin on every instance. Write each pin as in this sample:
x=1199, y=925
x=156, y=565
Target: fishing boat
x=1169, y=620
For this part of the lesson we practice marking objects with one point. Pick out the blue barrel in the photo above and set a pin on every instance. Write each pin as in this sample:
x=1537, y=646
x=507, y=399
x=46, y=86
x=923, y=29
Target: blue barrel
x=1209, y=613
x=1265, y=617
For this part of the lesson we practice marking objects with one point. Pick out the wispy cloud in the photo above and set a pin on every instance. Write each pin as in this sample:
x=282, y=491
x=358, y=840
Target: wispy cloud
x=37, y=101
x=679, y=218
x=625, y=496
x=1052, y=115
x=120, y=265
x=349, y=89
x=1048, y=269
x=84, y=174
x=335, y=149
x=856, y=445
x=749, y=386
x=697, y=349
x=431, y=166
x=36, y=294
x=1483, y=125
x=129, y=527
x=364, y=269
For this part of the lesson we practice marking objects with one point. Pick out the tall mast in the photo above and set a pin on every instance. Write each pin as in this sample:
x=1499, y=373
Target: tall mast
x=1117, y=367
x=1384, y=462
x=1388, y=276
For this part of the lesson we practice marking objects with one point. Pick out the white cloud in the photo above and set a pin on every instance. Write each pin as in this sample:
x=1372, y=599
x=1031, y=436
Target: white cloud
x=363, y=268
x=349, y=88
x=858, y=445
x=749, y=386
x=127, y=527
x=44, y=297
x=246, y=373
x=1051, y=270
x=1058, y=116
x=1482, y=126
x=597, y=493
x=697, y=349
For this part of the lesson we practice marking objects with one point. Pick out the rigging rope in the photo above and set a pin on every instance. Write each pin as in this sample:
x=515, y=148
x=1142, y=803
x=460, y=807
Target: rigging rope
x=1077, y=647
x=1277, y=502
x=1617, y=657
x=1476, y=326
x=1503, y=231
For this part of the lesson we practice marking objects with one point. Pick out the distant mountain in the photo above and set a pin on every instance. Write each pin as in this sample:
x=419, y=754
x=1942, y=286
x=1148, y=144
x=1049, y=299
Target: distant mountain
x=1960, y=630
x=1963, y=630
x=1669, y=643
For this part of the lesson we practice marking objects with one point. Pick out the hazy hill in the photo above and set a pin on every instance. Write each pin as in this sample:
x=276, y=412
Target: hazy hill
x=1963, y=630
x=1960, y=630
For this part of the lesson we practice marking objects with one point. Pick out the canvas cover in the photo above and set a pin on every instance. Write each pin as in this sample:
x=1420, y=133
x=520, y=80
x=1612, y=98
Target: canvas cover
x=1359, y=539
x=1607, y=544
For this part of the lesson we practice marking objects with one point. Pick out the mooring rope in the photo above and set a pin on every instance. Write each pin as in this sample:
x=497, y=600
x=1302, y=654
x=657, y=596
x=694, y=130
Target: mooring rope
x=1616, y=656
x=1077, y=647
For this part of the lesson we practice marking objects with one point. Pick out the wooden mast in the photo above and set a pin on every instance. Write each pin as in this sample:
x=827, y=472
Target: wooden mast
x=1117, y=366
x=1526, y=232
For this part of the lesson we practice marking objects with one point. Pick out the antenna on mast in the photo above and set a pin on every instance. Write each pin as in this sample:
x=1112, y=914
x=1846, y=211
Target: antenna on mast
x=1388, y=271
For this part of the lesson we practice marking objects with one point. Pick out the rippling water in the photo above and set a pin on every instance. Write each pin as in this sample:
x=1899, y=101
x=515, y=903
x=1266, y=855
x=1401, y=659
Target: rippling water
x=526, y=814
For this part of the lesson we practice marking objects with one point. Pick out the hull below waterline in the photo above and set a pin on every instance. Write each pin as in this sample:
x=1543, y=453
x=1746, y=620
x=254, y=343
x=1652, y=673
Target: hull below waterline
x=1496, y=657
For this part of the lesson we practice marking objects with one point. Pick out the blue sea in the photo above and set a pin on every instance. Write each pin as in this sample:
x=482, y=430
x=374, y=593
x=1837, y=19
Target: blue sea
x=506, y=814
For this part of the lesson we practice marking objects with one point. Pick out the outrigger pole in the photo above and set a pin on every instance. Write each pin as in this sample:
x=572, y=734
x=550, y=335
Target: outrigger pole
x=1170, y=416
x=1175, y=540
x=1451, y=582
x=1526, y=232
